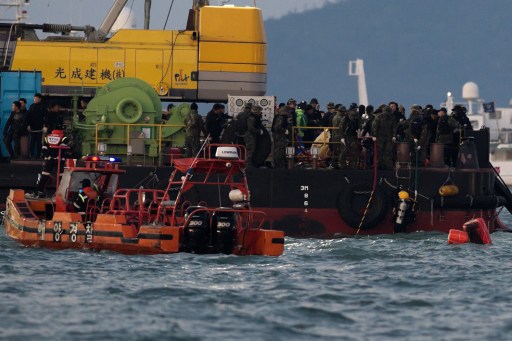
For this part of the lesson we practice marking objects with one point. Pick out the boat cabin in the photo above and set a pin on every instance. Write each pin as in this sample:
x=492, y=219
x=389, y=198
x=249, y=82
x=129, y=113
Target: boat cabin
x=103, y=174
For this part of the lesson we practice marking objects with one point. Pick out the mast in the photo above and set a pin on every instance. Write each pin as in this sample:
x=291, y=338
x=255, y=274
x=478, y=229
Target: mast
x=356, y=68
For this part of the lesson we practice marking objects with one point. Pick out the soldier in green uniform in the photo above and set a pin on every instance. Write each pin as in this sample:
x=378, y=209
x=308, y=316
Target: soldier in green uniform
x=254, y=129
x=336, y=149
x=280, y=134
x=194, y=125
x=384, y=130
x=447, y=126
x=241, y=123
x=348, y=130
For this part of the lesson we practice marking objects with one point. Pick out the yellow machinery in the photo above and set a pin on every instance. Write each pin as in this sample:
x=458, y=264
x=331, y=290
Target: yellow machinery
x=222, y=51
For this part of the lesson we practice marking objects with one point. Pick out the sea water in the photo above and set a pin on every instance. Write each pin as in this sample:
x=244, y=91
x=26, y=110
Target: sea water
x=406, y=287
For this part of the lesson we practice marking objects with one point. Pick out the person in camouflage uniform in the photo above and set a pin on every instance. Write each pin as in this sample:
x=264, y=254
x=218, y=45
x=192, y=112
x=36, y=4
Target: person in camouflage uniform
x=447, y=127
x=384, y=130
x=254, y=129
x=366, y=121
x=241, y=123
x=428, y=133
x=412, y=126
x=194, y=125
x=349, y=130
x=280, y=133
x=337, y=147
x=411, y=129
x=365, y=124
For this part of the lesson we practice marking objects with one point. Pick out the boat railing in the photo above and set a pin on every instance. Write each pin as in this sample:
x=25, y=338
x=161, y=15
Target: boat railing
x=139, y=205
x=313, y=147
x=155, y=141
x=148, y=140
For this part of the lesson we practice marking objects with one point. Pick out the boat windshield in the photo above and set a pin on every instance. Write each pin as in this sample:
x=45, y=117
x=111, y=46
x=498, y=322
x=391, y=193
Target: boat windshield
x=72, y=182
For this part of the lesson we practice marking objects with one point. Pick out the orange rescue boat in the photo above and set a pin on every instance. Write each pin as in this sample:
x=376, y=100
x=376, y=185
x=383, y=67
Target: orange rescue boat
x=147, y=221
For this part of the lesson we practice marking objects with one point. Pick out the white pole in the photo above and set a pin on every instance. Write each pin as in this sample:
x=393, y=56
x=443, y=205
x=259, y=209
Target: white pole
x=356, y=68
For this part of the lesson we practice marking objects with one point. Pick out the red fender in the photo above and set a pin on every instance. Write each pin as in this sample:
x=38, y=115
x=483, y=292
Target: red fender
x=477, y=231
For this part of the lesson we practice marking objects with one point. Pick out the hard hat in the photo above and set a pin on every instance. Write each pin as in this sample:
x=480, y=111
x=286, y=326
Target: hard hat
x=58, y=132
x=403, y=195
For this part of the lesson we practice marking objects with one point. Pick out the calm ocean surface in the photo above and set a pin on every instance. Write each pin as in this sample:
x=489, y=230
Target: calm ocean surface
x=407, y=287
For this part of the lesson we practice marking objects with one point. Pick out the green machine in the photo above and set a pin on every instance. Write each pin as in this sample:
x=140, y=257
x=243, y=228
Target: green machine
x=126, y=114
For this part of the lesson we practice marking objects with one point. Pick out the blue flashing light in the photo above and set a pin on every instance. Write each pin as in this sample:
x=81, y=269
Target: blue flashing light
x=96, y=158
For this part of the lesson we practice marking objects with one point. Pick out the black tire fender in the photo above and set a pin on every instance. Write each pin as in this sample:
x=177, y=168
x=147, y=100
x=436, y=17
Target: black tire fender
x=352, y=202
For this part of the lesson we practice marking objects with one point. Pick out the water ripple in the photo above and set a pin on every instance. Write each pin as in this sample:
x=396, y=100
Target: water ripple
x=413, y=287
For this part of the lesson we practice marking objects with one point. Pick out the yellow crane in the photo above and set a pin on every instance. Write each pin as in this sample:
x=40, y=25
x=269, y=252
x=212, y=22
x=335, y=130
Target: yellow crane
x=221, y=51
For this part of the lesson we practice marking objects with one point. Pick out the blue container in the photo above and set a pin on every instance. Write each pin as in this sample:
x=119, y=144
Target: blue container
x=13, y=86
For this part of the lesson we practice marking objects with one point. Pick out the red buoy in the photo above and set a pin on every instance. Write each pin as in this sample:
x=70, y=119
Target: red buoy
x=457, y=237
x=477, y=231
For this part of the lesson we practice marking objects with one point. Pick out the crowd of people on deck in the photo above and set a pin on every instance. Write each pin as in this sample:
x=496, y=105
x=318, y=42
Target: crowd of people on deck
x=354, y=131
x=30, y=125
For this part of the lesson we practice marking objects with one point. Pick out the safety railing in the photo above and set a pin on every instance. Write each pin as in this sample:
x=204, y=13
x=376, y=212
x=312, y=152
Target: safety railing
x=138, y=139
x=315, y=148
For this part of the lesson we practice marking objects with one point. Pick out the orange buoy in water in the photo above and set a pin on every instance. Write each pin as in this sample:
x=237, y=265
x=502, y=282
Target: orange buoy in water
x=477, y=231
x=457, y=237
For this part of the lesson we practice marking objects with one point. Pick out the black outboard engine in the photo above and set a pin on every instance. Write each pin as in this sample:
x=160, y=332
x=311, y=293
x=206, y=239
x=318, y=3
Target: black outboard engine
x=197, y=230
x=224, y=231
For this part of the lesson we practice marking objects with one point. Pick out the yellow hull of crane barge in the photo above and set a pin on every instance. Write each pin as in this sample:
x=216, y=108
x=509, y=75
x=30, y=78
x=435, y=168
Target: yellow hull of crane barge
x=224, y=53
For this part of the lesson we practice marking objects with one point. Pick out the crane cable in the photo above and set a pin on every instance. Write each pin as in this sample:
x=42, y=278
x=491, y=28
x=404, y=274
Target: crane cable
x=168, y=14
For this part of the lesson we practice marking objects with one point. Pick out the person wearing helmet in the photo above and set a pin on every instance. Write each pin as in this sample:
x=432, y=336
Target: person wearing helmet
x=50, y=157
x=459, y=114
x=86, y=193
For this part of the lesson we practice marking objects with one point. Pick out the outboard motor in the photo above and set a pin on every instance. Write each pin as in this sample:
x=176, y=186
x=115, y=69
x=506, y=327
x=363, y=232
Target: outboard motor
x=197, y=230
x=224, y=231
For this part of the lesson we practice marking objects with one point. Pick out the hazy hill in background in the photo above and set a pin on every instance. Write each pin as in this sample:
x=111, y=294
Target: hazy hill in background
x=414, y=51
